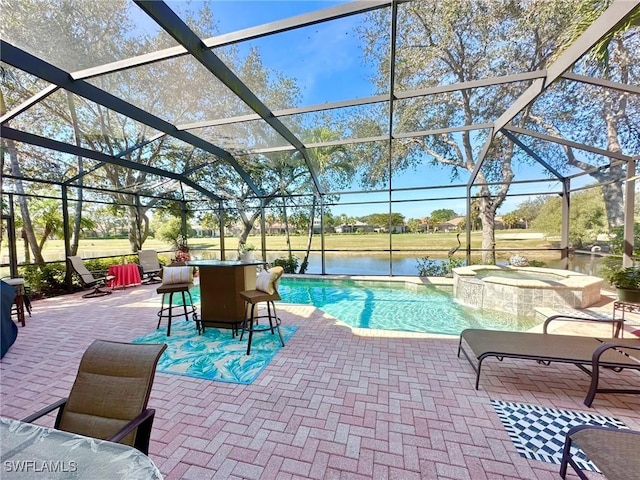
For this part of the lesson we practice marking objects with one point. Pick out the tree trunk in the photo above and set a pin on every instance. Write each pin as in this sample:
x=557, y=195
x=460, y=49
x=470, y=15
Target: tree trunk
x=305, y=261
x=615, y=109
x=488, y=236
x=25, y=241
x=247, y=223
x=24, y=206
x=614, y=198
x=286, y=225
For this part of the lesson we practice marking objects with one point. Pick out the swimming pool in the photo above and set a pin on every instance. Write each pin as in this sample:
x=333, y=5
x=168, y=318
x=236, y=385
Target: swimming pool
x=391, y=306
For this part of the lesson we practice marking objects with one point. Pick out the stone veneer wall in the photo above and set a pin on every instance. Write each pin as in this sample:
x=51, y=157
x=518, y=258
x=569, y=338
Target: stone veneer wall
x=521, y=300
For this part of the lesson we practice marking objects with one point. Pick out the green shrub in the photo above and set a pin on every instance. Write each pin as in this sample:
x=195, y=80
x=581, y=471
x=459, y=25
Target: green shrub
x=289, y=264
x=44, y=280
x=628, y=278
x=437, y=268
x=49, y=280
x=608, y=266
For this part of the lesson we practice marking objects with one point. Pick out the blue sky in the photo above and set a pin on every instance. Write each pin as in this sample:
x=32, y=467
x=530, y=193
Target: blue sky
x=326, y=60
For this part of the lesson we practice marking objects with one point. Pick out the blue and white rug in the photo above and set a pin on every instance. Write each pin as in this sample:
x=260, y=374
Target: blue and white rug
x=215, y=355
x=538, y=433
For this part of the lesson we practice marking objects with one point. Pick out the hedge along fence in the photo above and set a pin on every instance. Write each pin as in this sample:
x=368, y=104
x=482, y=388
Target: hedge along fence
x=48, y=280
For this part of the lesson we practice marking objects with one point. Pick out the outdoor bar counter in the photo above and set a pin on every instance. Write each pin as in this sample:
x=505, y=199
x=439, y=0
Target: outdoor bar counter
x=220, y=282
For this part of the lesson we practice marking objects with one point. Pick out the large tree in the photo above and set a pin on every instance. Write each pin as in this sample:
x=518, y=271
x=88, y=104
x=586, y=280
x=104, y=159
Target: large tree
x=596, y=116
x=453, y=41
x=104, y=32
x=587, y=220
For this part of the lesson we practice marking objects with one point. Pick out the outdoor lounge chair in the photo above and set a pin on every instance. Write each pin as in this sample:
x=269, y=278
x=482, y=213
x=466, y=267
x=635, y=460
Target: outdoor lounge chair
x=584, y=352
x=149, y=266
x=87, y=278
x=613, y=450
x=109, y=397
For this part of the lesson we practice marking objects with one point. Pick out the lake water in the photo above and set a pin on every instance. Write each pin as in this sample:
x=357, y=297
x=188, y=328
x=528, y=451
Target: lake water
x=359, y=264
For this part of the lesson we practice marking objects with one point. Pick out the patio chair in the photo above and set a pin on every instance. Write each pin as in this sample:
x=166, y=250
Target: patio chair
x=150, y=266
x=109, y=397
x=87, y=279
x=587, y=353
x=614, y=451
x=177, y=278
x=266, y=291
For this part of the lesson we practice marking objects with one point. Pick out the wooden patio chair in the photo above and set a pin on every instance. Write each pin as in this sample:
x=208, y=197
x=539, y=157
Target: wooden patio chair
x=109, y=397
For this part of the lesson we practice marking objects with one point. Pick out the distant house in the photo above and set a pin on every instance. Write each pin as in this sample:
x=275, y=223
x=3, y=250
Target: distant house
x=425, y=227
x=317, y=227
x=452, y=225
x=354, y=227
x=200, y=231
x=276, y=228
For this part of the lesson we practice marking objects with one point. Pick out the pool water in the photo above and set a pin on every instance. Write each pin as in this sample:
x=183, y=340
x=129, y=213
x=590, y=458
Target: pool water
x=391, y=306
x=519, y=275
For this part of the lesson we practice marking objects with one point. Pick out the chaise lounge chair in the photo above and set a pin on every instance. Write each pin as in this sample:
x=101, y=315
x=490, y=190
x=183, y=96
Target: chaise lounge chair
x=584, y=352
x=614, y=451
x=87, y=279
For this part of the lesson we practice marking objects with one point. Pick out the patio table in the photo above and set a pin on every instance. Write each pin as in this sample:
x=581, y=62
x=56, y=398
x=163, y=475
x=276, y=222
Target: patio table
x=124, y=275
x=32, y=451
x=220, y=283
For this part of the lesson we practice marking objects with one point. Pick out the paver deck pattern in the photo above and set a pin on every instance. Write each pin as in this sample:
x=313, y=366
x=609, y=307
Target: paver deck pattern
x=331, y=405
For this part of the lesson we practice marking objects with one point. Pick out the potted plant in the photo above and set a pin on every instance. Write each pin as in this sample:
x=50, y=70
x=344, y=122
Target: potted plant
x=627, y=282
x=246, y=252
x=182, y=250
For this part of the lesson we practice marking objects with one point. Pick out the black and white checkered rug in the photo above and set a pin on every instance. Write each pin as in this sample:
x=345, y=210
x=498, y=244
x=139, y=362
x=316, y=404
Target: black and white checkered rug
x=538, y=433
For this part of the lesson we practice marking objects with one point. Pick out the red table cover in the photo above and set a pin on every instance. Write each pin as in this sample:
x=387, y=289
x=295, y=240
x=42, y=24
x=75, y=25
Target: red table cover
x=127, y=274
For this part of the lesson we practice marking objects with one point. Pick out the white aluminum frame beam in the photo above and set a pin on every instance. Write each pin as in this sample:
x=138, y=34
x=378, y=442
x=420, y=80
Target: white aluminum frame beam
x=28, y=103
x=454, y=87
x=378, y=138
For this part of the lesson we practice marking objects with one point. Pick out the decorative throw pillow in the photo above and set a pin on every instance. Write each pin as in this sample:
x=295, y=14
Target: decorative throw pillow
x=267, y=280
x=172, y=275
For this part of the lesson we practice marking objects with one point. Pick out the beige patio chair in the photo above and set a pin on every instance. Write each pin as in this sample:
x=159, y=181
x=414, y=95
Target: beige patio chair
x=150, y=266
x=87, y=279
x=613, y=450
x=109, y=397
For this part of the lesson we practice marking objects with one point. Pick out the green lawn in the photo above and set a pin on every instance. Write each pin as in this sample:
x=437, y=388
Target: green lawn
x=435, y=245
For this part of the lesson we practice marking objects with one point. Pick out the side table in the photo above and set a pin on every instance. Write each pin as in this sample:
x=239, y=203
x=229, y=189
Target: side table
x=620, y=308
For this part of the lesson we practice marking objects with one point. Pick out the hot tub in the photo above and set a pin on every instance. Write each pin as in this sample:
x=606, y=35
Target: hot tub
x=519, y=290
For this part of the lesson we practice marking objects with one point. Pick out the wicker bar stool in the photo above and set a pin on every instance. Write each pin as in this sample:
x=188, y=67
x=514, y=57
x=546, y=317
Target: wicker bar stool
x=266, y=291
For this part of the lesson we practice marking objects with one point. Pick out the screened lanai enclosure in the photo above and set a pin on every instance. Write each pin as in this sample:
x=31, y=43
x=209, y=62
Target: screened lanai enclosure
x=317, y=130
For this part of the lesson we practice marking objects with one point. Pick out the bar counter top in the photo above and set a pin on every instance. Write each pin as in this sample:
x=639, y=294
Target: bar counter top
x=221, y=263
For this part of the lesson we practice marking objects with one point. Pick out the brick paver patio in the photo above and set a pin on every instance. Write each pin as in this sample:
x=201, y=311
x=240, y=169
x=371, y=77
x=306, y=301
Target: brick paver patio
x=332, y=404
